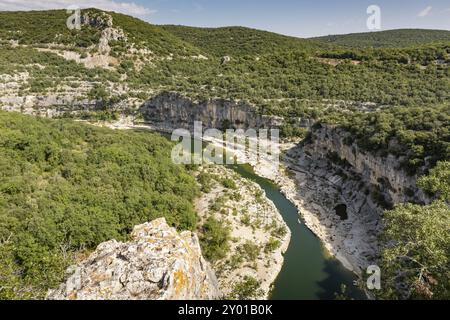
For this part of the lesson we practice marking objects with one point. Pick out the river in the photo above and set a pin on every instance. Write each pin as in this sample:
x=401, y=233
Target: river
x=308, y=273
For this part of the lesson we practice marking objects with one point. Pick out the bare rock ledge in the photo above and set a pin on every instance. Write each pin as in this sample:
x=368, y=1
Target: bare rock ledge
x=157, y=264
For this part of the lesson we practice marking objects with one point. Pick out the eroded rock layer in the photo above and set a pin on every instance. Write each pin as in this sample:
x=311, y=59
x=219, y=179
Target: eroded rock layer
x=157, y=264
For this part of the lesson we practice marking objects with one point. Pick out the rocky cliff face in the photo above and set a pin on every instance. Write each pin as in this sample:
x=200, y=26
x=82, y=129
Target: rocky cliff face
x=158, y=263
x=170, y=110
x=384, y=172
x=109, y=33
x=342, y=192
x=382, y=175
x=51, y=105
x=335, y=204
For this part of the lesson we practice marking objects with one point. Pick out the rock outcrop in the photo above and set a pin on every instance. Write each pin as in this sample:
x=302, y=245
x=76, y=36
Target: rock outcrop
x=385, y=172
x=330, y=174
x=109, y=33
x=158, y=263
x=169, y=110
x=225, y=60
x=50, y=106
x=319, y=187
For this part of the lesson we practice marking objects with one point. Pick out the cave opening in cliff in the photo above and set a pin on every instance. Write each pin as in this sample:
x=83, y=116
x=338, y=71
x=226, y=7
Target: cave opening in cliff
x=341, y=211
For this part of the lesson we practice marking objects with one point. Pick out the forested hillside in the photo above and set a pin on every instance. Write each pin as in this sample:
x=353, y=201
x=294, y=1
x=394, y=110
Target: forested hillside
x=49, y=27
x=266, y=69
x=65, y=187
x=238, y=41
x=387, y=39
x=419, y=136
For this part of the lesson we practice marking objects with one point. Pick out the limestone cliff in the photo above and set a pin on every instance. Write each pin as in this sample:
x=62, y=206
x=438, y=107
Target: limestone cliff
x=384, y=172
x=342, y=191
x=170, y=110
x=158, y=263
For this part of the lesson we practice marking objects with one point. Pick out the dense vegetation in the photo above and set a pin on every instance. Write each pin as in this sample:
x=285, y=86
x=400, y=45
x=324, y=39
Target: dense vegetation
x=49, y=27
x=416, y=260
x=56, y=71
x=265, y=65
x=65, y=187
x=247, y=289
x=238, y=41
x=415, y=257
x=387, y=39
x=215, y=237
x=294, y=76
x=275, y=72
x=42, y=27
x=152, y=37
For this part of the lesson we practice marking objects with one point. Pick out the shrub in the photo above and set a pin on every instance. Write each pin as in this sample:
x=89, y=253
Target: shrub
x=229, y=183
x=215, y=238
x=272, y=245
x=249, y=250
x=247, y=289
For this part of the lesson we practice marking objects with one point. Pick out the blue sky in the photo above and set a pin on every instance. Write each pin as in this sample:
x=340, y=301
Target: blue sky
x=303, y=18
x=300, y=17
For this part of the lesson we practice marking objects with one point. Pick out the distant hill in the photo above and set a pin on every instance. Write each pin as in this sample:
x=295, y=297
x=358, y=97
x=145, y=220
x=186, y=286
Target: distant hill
x=387, y=39
x=239, y=40
x=122, y=61
x=49, y=27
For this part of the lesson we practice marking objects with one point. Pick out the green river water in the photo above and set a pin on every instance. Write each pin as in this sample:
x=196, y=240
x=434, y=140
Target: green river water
x=307, y=273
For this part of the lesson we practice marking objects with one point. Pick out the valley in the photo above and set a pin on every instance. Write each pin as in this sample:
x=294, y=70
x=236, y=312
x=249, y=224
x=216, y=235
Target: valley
x=364, y=165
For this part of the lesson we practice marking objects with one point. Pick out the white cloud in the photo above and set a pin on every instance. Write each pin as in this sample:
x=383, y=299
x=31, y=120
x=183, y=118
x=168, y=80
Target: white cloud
x=425, y=12
x=129, y=8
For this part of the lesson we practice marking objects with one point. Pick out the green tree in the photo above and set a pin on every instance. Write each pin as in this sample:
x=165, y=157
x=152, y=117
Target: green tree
x=417, y=250
x=438, y=180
